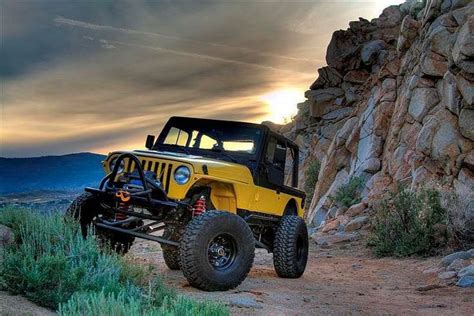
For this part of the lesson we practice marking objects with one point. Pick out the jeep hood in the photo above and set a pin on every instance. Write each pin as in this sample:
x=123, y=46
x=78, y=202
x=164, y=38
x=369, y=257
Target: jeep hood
x=215, y=168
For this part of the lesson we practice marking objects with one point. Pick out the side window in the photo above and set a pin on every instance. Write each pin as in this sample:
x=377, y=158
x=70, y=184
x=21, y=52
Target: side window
x=270, y=150
x=275, y=158
x=176, y=137
x=289, y=165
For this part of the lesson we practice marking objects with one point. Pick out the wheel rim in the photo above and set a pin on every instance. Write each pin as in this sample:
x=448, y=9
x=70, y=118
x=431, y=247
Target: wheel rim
x=221, y=251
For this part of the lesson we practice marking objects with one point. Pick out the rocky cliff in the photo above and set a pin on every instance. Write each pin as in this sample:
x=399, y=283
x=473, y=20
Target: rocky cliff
x=394, y=104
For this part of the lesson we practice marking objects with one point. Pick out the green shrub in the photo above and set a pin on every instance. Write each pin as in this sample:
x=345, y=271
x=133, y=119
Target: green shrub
x=409, y=223
x=51, y=260
x=53, y=265
x=350, y=193
x=129, y=304
x=311, y=175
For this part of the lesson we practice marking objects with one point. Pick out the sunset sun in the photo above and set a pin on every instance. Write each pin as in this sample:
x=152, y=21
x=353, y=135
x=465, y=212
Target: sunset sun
x=281, y=104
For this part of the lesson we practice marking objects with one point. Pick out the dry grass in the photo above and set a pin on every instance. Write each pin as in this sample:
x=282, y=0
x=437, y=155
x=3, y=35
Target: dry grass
x=460, y=207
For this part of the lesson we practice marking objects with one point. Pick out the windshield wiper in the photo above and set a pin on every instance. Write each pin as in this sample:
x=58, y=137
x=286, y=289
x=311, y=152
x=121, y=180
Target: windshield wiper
x=221, y=151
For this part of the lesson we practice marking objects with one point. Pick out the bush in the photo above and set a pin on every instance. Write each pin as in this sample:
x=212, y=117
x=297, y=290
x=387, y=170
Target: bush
x=350, y=193
x=124, y=304
x=460, y=208
x=409, y=223
x=311, y=174
x=54, y=266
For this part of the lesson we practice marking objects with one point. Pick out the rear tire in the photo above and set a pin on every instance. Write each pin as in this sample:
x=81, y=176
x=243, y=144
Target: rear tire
x=84, y=209
x=217, y=251
x=290, y=247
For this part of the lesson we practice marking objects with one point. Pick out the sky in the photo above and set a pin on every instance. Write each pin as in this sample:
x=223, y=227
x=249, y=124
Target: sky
x=99, y=76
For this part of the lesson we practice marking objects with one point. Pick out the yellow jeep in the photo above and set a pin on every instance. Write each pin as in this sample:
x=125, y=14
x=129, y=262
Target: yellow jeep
x=214, y=190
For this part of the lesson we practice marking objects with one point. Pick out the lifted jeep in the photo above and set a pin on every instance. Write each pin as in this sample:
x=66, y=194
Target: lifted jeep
x=215, y=189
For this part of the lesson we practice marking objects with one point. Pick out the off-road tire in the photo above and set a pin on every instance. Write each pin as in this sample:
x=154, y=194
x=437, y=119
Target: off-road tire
x=84, y=209
x=290, y=247
x=195, y=251
x=171, y=254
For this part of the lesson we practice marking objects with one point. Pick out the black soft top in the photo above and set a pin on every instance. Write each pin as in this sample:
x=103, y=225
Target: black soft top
x=193, y=121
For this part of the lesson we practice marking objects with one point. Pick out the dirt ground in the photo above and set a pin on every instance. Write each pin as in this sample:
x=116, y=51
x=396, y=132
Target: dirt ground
x=338, y=281
x=347, y=280
x=13, y=305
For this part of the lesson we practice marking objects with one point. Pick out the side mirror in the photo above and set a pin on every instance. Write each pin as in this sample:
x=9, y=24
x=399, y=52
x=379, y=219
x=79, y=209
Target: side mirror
x=150, y=141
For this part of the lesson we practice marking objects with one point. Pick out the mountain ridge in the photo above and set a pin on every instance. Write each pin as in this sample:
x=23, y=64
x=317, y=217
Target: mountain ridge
x=69, y=172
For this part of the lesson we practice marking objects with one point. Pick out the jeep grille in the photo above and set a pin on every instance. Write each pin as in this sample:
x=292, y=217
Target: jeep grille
x=162, y=169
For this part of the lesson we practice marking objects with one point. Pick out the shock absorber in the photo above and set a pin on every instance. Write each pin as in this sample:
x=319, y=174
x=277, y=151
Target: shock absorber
x=122, y=206
x=199, y=206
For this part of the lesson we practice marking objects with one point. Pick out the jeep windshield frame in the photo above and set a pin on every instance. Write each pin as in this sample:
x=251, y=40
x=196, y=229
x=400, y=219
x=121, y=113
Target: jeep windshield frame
x=237, y=142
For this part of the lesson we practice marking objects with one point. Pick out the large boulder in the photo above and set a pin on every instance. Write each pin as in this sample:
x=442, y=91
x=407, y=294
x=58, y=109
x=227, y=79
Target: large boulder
x=327, y=77
x=445, y=141
x=342, y=52
x=356, y=223
x=433, y=64
x=466, y=123
x=357, y=76
x=322, y=100
x=390, y=17
x=422, y=101
x=371, y=51
x=425, y=136
x=447, y=260
x=466, y=87
x=408, y=33
x=463, y=50
x=449, y=93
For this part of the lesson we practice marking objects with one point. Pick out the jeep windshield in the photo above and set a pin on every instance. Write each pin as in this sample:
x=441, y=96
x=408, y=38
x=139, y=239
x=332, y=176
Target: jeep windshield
x=233, y=141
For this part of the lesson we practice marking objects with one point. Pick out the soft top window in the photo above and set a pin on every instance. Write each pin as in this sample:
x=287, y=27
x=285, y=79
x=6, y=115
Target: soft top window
x=211, y=136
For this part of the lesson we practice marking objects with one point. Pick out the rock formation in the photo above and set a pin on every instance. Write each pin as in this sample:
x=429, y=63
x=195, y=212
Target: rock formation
x=395, y=103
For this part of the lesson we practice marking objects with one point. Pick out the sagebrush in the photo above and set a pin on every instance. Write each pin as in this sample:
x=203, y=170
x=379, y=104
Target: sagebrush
x=409, y=223
x=349, y=193
x=54, y=266
x=460, y=208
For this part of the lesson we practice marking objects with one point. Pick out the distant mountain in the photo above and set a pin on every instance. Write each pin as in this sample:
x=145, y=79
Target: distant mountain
x=69, y=172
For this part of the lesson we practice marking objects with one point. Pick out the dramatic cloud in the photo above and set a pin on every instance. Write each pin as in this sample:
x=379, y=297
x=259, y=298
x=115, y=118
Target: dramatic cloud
x=97, y=76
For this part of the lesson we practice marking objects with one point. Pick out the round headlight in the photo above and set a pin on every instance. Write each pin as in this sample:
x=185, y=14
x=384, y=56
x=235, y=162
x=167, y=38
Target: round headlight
x=112, y=165
x=182, y=174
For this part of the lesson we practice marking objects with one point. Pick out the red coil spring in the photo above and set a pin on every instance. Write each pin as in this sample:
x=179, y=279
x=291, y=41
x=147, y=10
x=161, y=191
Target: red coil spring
x=199, y=206
x=121, y=216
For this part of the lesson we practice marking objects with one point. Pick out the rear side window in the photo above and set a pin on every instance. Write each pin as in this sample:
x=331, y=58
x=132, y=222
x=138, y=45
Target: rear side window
x=280, y=163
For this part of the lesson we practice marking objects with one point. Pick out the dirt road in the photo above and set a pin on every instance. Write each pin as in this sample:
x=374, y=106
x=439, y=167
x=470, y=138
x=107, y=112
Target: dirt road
x=337, y=281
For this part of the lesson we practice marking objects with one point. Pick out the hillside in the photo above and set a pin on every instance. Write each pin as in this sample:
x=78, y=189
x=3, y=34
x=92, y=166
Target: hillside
x=68, y=172
x=393, y=105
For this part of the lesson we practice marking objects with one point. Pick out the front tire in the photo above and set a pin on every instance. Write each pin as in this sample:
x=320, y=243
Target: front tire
x=290, y=247
x=84, y=209
x=217, y=251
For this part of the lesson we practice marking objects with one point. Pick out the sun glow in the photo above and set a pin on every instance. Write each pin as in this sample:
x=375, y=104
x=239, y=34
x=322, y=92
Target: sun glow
x=281, y=104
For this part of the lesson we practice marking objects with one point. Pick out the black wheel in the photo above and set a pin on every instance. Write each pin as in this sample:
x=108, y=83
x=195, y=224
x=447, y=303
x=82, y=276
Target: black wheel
x=290, y=247
x=217, y=251
x=170, y=253
x=84, y=209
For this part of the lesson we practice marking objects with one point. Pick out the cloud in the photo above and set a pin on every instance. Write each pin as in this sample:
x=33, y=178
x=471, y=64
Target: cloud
x=63, y=21
x=99, y=76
